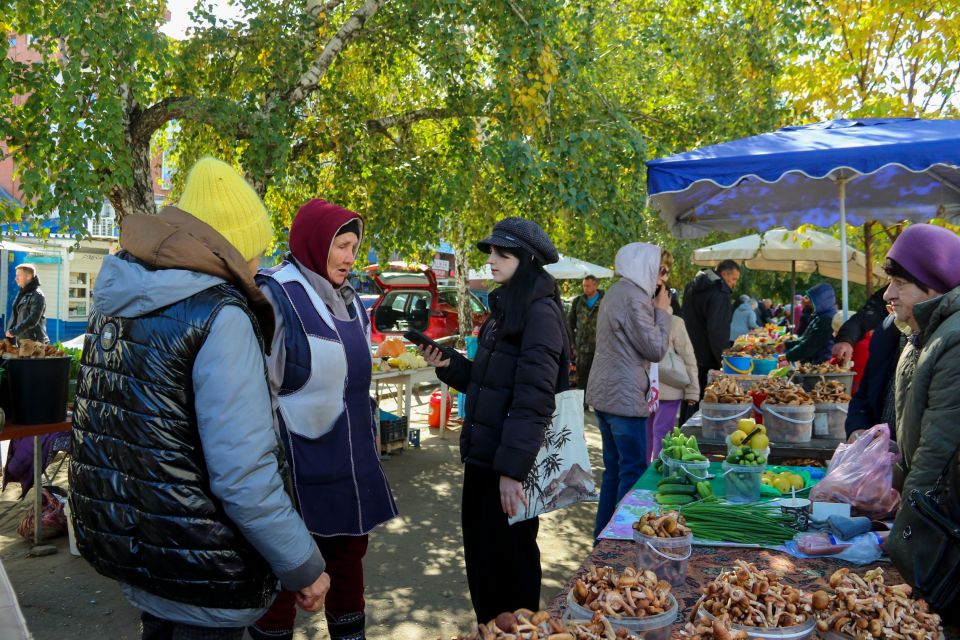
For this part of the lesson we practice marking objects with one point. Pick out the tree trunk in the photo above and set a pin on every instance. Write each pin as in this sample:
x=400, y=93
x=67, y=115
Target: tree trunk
x=463, y=291
x=138, y=196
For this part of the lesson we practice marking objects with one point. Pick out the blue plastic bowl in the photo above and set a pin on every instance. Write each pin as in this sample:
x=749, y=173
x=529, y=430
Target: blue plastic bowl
x=737, y=364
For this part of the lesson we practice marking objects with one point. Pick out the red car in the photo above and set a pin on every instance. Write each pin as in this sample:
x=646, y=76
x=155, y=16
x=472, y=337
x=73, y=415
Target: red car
x=411, y=299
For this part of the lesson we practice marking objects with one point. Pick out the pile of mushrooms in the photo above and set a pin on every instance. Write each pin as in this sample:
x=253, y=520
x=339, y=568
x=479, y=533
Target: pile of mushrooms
x=631, y=594
x=867, y=608
x=668, y=525
x=830, y=392
x=725, y=390
x=524, y=624
x=709, y=630
x=749, y=597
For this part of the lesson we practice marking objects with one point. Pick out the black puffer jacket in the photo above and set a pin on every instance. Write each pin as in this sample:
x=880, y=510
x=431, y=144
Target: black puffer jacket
x=511, y=386
x=151, y=520
x=707, y=311
x=26, y=319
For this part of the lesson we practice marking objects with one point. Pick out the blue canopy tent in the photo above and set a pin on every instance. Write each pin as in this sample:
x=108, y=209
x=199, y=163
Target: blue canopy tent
x=847, y=171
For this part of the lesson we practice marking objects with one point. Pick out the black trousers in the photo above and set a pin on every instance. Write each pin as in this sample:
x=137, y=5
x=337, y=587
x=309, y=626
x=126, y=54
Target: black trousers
x=584, y=364
x=503, y=561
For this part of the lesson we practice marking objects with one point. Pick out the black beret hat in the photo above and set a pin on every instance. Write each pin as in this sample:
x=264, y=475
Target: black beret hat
x=520, y=233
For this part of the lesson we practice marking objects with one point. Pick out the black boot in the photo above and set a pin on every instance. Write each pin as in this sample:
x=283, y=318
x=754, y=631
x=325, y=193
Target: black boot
x=349, y=626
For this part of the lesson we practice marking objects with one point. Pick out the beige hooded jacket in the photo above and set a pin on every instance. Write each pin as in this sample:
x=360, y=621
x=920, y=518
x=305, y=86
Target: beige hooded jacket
x=631, y=333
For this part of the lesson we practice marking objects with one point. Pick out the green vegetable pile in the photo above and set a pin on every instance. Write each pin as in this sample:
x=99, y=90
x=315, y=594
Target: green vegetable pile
x=677, y=490
x=755, y=523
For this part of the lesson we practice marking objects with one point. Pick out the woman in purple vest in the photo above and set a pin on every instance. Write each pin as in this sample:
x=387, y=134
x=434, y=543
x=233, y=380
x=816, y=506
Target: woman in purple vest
x=522, y=361
x=319, y=370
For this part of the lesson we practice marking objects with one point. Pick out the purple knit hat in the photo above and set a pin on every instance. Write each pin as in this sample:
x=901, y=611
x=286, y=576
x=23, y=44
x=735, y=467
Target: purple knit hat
x=930, y=254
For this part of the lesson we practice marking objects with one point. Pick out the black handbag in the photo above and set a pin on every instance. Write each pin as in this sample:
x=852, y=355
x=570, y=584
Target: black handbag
x=925, y=542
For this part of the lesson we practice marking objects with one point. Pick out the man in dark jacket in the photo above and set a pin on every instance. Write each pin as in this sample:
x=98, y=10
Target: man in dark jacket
x=27, y=321
x=870, y=316
x=583, y=327
x=707, y=311
x=874, y=400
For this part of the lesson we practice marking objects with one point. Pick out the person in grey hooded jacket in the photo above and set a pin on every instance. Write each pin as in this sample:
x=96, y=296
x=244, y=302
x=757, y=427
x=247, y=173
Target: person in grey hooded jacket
x=744, y=318
x=176, y=485
x=633, y=330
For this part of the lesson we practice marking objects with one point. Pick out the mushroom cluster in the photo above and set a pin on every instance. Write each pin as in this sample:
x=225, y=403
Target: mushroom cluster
x=725, y=390
x=709, y=630
x=868, y=608
x=749, y=597
x=524, y=624
x=630, y=594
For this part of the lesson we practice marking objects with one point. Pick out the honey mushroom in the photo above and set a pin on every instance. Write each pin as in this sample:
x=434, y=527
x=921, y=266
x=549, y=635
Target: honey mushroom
x=750, y=597
x=868, y=608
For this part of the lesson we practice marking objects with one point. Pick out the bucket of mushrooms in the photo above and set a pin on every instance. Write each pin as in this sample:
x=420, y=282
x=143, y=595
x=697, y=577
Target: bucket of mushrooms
x=664, y=545
x=637, y=601
x=524, y=624
x=831, y=402
x=758, y=603
x=724, y=404
x=788, y=414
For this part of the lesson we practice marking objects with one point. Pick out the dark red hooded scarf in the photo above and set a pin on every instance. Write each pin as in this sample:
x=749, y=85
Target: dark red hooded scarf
x=315, y=226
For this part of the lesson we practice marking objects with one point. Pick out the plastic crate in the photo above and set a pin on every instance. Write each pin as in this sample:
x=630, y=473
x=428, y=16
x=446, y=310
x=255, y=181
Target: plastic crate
x=393, y=429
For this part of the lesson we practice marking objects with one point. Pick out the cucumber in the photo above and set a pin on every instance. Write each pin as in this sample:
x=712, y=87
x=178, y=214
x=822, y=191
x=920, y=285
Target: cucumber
x=673, y=500
x=704, y=490
x=672, y=480
x=675, y=489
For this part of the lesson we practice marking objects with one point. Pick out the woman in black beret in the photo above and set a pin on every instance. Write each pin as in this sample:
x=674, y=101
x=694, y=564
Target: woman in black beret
x=522, y=363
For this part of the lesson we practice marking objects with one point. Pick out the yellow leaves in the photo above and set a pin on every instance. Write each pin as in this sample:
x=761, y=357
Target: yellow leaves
x=263, y=57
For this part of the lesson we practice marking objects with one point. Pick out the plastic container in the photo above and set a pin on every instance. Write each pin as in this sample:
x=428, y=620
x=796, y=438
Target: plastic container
x=787, y=423
x=738, y=364
x=809, y=380
x=796, y=632
x=35, y=390
x=666, y=557
x=656, y=627
x=830, y=420
x=763, y=366
x=742, y=482
x=720, y=420
x=392, y=428
x=732, y=447
x=434, y=418
x=696, y=470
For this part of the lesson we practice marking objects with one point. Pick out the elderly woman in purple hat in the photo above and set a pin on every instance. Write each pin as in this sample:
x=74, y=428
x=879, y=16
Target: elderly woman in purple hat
x=924, y=269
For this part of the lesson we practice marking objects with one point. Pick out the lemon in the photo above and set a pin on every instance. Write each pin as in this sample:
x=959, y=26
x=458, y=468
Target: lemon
x=759, y=442
x=782, y=485
x=737, y=437
x=762, y=428
x=746, y=425
x=797, y=481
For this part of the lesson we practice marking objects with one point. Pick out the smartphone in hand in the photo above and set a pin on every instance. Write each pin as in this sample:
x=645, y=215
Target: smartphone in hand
x=418, y=338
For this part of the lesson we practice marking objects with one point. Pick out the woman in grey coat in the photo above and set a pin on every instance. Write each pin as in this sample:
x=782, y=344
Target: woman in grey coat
x=633, y=330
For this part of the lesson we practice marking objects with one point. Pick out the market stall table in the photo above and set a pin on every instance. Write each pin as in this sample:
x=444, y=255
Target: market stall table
x=817, y=448
x=405, y=381
x=10, y=432
x=708, y=561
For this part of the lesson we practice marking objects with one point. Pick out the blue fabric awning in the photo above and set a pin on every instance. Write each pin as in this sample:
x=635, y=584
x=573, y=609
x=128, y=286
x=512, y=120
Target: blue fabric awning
x=893, y=169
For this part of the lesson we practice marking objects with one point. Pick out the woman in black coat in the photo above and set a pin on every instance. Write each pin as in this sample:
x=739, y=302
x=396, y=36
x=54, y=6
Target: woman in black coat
x=510, y=387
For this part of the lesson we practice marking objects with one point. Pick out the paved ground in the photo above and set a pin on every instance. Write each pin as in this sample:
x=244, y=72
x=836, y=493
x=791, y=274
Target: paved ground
x=416, y=587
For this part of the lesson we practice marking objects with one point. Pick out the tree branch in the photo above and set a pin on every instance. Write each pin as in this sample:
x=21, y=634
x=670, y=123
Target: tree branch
x=310, y=80
x=149, y=120
x=315, y=7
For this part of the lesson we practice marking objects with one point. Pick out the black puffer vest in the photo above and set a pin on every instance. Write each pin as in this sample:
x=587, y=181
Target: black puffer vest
x=140, y=491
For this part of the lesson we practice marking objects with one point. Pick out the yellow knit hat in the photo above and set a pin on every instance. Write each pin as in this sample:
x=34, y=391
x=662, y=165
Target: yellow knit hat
x=216, y=194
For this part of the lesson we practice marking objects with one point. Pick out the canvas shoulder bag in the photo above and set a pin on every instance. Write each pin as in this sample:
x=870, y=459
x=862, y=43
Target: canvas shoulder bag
x=673, y=370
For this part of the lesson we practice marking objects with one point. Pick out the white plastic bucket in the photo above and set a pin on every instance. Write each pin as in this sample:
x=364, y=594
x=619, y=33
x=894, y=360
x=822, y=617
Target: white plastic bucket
x=720, y=420
x=830, y=421
x=666, y=557
x=785, y=423
x=655, y=627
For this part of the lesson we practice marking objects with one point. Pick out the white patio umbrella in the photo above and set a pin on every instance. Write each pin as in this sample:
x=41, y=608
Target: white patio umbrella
x=805, y=251
x=567, y=268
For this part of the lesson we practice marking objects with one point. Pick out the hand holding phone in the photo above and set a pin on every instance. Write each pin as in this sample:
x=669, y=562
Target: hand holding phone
x=421, y=340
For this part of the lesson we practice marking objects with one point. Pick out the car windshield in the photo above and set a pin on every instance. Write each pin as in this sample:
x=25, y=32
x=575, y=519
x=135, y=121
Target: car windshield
x=401, y=311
